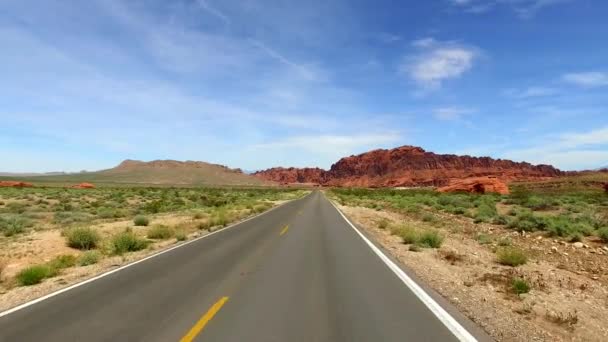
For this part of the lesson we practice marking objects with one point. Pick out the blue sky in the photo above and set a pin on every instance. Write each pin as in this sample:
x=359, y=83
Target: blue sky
x=255, y=84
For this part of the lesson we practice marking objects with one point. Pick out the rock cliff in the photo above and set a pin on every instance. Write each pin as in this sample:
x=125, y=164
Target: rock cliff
x=408, y=166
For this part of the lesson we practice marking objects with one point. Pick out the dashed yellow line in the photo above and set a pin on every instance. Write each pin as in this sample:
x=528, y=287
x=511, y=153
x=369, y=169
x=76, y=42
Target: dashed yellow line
x=200, y=325
x=284, y=230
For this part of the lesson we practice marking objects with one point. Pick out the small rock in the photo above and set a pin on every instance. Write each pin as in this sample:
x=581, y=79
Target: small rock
x=605, y=248
x=578, y=245
x=554, y=249
x=539, y=238
x=586, y=246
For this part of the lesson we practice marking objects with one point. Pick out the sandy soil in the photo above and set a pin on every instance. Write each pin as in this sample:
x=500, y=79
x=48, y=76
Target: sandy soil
x=569, y=296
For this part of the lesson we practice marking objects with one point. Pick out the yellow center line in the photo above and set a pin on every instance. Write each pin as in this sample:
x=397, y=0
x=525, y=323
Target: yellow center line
x=284, y=230
x=200, y=325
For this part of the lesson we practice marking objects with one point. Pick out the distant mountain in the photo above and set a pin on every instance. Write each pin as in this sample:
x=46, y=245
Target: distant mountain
x=408, y=166
x=161, y=172
x=29, y=174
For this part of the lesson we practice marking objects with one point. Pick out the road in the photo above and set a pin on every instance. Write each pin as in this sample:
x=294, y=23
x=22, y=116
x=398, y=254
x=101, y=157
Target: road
x=297, y=273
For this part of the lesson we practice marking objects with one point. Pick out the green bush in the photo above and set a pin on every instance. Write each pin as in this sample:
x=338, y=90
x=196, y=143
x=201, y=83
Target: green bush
x=430, y=239
x=409, y=235
x=62, y=261
x=83, y=238
x=483, y=239
x=34, y=274
x=160, y=232
x=520, y=286
x=141, y=220
x=13, y=225
x=181, y=236
x=127, y=242
x=429, y=218
x=603, y=234
x=486, y=210
x=511, y=256
x=89, y=258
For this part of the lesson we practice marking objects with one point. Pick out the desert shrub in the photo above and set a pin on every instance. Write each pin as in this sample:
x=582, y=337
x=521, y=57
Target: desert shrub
x=520, y=286
x=537, y=203
x=575, y=237
x=106, y=212
x=260, y=208
x=127, y=241
x=141, y=220
x=383, y=223
x=219, y=219
x=429, y=217
x=62, y=261
x=483, y=239
x=525, y=220
x=486, y=210
x=89, y=258
x=83, y=238
x=69, y=217
x=34, y=274
x=430, y=239
x=198, y=216
x=205, y=225
x=181, y=236
x=409, y=235
x=500, y=219
x=505, y=242
x=603, y=234
x=160, y=232
x=511, y=256
x=414, y=248
x=16, y=207
x=13, y=225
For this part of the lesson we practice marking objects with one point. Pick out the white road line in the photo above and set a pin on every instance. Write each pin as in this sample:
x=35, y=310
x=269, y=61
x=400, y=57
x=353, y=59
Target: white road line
x=457, y=330
x=53, y=294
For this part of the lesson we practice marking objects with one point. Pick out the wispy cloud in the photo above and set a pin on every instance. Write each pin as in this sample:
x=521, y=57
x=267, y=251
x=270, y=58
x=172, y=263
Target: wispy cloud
x=451, y=113
x=435, y=62
x=523, y=8
x=575, y=150
x=214, y=11
x=531, y=92
x=589, y=79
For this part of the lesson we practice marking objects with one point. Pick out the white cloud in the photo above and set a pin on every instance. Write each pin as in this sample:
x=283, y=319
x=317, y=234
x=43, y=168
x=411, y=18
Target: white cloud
x=589, y=79
x=450, y=113
x=523, y=8
x=214, y=11
x=582, y=150
x=437, y=62
x=531, y=92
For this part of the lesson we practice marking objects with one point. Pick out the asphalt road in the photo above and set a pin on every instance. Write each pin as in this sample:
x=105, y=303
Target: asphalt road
x=297, y=273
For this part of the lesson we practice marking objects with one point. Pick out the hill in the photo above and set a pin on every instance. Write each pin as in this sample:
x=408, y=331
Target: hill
x=159, y=172
x=409, y=166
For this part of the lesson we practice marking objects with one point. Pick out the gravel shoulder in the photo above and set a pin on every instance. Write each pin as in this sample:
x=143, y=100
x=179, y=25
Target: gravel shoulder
x=568, y=300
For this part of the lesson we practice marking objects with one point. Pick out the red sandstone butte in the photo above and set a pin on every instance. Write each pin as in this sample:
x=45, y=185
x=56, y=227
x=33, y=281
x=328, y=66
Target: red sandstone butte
x=408, y=166
x=14, y=184
x=83, y=186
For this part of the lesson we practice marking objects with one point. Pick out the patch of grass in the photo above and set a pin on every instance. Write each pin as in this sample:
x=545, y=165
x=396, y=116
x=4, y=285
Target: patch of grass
x=34, y=275
x=89, y=258
x=125, y=242
x=414, y=248
x=430, y=239
x=62, y=261
x=511, y=256
x=603, y=234
x=82, y=238
x=519, y=286
x=505, y=242
x=181, y=236
x=483, y=239
x=141, y=221
x=429, y=218
x=383, y=223
x=160, y=232
x=13, y=225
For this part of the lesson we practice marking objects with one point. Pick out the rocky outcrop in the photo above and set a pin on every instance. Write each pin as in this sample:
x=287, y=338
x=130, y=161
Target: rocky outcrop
x=476, y=185
x=292, y=175
x=410, y=166
x=129, y=165
x=606, y=187
x=14, y=184
x=83, y=186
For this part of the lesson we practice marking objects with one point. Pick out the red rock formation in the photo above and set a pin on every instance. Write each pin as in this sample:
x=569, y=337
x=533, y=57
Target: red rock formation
x=83, y=186
x=477, y=185
x=292, y=175
x=410, y=166
x=606, y=187
x=15, y=184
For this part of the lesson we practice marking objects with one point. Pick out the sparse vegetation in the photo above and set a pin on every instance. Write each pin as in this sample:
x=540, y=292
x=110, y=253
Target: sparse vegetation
x=82, y=238
x=430, y=239
x=511, y=256
x=383, y=223
x=180, y=236
x=34, y=275
x=141, y=220
x=520, y=286
x=160, y=232
x=89, y=258
x=127, y=241
x=603, y=234
x=566, y=319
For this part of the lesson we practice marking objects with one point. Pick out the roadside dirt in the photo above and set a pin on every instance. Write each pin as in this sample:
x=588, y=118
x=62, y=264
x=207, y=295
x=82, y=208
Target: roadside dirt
x=568, y=300
x=41, y=246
